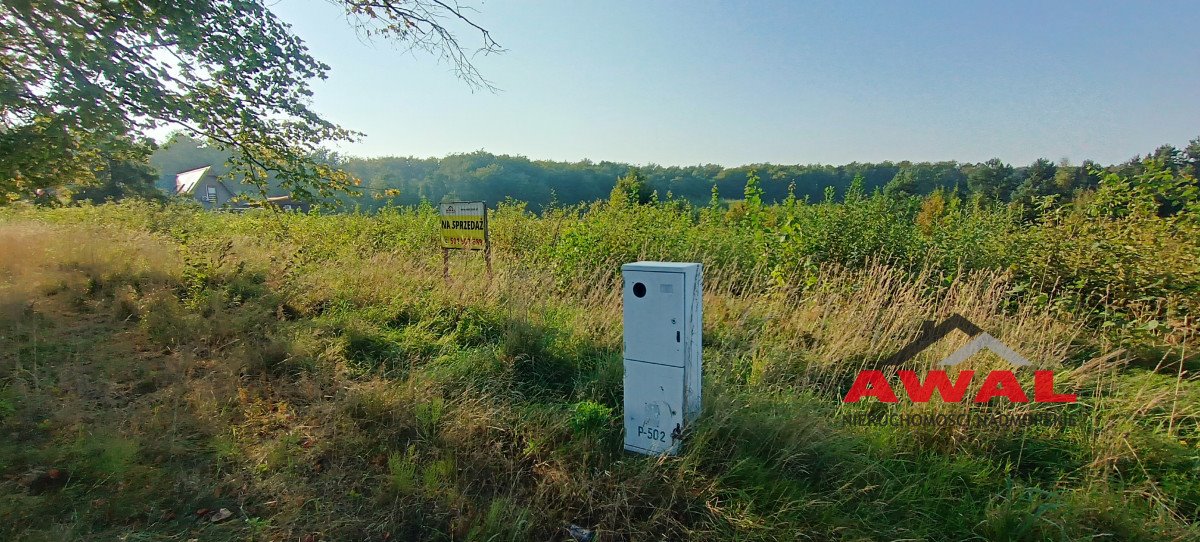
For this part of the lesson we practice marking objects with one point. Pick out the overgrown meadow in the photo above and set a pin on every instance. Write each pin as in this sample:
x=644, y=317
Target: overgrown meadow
x=314, y=375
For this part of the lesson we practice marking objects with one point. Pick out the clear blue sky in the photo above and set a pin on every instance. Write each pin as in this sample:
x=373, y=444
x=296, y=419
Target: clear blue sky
x=732, y=83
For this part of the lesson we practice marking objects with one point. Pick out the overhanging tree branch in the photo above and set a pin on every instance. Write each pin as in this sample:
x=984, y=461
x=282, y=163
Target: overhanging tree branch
x=421, y=25
x=228, y=69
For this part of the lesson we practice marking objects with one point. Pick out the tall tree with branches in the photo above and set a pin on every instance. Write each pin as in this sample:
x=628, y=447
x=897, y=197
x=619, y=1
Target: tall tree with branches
x=81, y=75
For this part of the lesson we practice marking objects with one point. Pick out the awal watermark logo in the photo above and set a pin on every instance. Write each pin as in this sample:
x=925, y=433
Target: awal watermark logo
x=873, y=383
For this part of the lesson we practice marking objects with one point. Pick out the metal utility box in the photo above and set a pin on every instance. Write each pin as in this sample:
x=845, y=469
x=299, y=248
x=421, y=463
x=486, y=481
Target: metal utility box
x=663, y=315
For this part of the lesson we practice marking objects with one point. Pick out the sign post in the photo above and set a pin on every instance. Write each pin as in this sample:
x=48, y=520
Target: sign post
x=464, y=227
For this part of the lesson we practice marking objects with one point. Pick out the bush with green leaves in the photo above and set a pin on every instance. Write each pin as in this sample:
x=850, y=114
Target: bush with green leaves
x=1129, y=253
x=590, y=417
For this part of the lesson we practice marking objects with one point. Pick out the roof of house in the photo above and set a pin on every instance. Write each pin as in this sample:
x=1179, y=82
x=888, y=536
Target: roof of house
x=186, y=181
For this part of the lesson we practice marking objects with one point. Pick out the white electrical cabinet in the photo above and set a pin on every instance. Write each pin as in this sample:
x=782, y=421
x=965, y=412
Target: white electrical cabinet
x=662, y=315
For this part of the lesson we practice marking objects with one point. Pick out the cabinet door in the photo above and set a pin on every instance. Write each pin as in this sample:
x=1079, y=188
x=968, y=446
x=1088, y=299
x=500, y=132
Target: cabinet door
x=654, y=317
x=653, y=408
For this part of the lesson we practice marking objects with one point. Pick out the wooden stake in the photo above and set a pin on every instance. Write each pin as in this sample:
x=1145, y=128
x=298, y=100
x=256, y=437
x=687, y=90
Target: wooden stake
x=487, y=245
x=446, y=265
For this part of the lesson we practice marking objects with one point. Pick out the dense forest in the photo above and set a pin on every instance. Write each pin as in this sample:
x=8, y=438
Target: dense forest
x=493, y=178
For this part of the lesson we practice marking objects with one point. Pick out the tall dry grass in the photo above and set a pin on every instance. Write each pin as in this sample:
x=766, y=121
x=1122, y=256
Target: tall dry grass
x=361, y=394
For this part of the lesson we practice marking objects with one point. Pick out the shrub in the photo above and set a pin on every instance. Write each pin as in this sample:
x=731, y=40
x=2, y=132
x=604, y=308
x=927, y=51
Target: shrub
x=590, y=417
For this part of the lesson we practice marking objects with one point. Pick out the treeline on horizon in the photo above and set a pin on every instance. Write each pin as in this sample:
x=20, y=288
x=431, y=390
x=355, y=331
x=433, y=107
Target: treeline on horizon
x=493, y=178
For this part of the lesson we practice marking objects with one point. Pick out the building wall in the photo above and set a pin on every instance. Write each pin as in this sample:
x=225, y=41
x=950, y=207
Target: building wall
x=220, y=195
